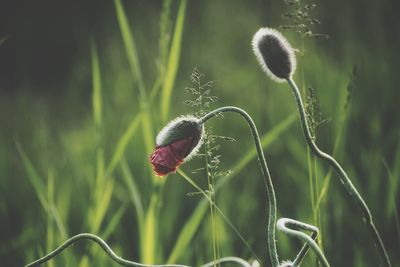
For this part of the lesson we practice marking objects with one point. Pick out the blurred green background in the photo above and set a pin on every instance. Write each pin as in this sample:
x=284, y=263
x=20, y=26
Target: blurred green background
x=84, y=89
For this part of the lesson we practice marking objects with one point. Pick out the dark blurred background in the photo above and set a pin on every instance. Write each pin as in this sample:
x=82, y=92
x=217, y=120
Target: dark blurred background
x=46, y=110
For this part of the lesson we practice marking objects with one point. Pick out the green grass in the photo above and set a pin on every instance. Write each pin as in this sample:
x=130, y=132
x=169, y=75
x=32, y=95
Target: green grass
x=74, y=157
x=173, y=62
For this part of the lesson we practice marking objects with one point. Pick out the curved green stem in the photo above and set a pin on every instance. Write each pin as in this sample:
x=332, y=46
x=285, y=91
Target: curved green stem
x=237, y=260
x=102, y=244
x=285, y=225
x=267, y=177
x=303, y=251
x=342, y=174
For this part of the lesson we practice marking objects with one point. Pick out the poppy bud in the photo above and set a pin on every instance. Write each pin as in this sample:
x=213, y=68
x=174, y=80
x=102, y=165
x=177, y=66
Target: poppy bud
x=175, y=143
x=274, y=54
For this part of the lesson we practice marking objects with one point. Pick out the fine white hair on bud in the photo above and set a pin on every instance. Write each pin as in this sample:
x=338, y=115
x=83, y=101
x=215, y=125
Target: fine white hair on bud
x=180, y=128
x=274, y=53
x=176, y=143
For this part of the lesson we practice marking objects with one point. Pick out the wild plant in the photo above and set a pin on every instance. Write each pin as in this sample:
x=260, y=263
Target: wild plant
x=177, y=143
x=300, y=20
x=181, y=137
x=277, y=59
x=200, y=100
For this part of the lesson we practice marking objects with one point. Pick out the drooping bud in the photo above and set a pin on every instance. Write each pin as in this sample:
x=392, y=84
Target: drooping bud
x=177, y=142
x=274, y=53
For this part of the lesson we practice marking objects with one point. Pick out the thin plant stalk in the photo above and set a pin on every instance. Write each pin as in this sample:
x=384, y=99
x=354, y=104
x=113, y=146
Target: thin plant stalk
x=267, y=177
x=236, y=260
x=285, y=225
x=206, y=195
x=188, y=230
x=342, y=174
x=103, y=245
x=211, y=194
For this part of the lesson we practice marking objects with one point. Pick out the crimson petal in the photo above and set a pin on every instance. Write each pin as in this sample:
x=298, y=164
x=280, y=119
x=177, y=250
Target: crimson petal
x=166, y=159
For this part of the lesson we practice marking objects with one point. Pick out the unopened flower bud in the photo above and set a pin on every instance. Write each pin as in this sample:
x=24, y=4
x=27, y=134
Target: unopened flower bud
x=177, y=142
x=274, y=54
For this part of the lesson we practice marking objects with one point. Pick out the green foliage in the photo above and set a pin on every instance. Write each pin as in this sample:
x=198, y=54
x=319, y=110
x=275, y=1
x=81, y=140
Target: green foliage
x=173, y=62
x=79, y=162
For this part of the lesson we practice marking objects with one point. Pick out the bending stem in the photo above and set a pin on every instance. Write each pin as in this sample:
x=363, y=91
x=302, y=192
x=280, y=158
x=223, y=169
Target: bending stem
x=267, y=177
x=283, y=225
x=102, y=244
x=342, y=174
x=227, y=260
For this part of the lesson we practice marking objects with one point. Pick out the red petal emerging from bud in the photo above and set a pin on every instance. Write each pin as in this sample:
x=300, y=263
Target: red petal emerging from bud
x=177, y=141
x=166, y=159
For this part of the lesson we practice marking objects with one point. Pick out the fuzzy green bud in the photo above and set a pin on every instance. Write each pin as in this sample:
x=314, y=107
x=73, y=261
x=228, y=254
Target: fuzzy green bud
x=181, y=128
x=274, y=54
x=177, y=142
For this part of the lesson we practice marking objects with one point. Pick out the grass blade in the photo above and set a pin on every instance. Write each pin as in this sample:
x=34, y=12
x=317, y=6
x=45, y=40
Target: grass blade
x=96, y=83
x=41, y=190
x=189, y=229
x=50, y=230
x=114, y=222
x=97, y=106
x=102, y=205
x=135, y=196
x=394, y=182
x=130, y=47
x=34, y=177
x=134, y=192
x=103, y=188
x=123, y=143
x=148, y=251
x=149, y=243
x=392, y=196
x=173, y=62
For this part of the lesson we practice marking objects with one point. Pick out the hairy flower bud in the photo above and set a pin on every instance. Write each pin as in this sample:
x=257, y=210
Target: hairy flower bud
x=177, y=142
x=274, y=54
